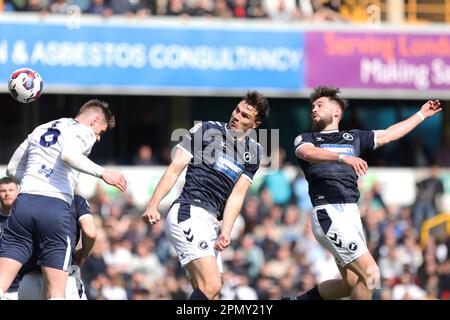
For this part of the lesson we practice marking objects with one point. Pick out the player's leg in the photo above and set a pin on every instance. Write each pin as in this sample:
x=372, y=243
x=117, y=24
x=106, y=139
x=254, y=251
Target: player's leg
x=205, y=274
x=334, y=289
x=192, y=231
x=16, y=246
x=8, y=270
x=368, y=277
x=54, y=232
x=345, y=238
x=338, y=229
x=55, y=280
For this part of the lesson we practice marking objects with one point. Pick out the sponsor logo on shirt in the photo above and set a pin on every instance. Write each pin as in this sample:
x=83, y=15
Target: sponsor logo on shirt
x=346, y=149
x=229, y=167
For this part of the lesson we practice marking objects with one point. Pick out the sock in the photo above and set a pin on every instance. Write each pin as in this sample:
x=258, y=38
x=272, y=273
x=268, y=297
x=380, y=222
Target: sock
x=197, y=294
x=312, y=294
x=2, y=293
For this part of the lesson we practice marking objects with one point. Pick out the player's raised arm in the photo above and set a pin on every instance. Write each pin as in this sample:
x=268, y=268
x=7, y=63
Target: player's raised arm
x=168, y=180
x=232, y=210
x=73, y=154
x=18, y=162
x=400, y=129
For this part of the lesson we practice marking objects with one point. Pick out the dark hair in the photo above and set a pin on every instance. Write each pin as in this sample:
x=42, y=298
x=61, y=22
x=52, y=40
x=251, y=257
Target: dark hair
x=256, y=100
x=6, y=180
x=100, y=106
x=331, y=93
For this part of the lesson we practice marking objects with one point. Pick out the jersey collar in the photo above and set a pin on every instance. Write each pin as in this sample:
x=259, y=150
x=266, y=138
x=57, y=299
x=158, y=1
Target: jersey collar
x=330, y=131
x=230, y=131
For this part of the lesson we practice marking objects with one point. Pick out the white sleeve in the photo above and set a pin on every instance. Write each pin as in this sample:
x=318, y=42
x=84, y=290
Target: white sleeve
x=73, y=154
x=18, y=162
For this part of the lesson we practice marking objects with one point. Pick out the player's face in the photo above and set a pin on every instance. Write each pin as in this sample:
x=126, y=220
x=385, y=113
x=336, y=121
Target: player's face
x=8, y=193
x=99, y=128
x=322, y=113
x=243, y=117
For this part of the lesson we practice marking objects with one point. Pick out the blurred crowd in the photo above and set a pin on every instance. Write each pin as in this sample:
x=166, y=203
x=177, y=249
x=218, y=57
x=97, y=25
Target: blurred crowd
x=273, y=251
x=281, y=10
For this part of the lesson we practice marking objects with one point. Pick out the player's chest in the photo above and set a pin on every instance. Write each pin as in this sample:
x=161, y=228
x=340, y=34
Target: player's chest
x=339, y=144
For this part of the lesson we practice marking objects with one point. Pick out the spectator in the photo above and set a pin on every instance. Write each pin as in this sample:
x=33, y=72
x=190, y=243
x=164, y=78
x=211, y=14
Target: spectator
x=145, y=157
x=429, y=192
x=277, y=182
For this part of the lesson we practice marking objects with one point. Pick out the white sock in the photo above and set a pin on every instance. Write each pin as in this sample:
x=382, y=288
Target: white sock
x=57, y=299
x=2, y=293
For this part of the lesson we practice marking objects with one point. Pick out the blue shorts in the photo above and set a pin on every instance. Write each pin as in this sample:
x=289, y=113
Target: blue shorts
x=41, y=226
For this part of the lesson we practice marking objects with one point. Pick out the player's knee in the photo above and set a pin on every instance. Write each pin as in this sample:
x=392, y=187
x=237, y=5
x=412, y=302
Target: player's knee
x=212, y=287
x=372, y=277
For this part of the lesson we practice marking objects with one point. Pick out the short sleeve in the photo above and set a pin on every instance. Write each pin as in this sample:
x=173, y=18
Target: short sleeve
x=302, y=139
x=187, y=142
x=81, y=206
x=366, y=138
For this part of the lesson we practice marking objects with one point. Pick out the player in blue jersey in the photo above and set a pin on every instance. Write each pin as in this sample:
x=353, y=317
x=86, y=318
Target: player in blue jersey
x=47, y=165
x=221, y=161
x=8, y=194
x=32, y=286
x=331, y=163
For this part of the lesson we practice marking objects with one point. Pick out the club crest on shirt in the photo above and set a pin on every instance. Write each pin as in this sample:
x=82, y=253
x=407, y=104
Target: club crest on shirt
x=247, y=156
x=347, y=136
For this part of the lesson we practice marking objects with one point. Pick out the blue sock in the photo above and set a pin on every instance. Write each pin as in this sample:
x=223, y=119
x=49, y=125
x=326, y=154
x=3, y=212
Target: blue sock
x=198, y=294
x=312, y=294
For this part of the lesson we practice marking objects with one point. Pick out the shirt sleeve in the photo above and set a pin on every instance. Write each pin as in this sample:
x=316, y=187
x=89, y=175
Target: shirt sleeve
x=82, y=206
x=366, y=139
x=187, y=143
x=301, y=140
x=79, y=138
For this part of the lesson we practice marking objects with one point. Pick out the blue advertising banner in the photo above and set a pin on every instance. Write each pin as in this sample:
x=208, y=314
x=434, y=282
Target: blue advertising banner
x=111, y=57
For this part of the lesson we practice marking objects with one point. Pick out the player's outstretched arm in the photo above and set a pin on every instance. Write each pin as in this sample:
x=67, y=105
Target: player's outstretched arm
x=180, y=161
x=400, y=129
x=232, y=209
x=80, y=162
x=18, y=162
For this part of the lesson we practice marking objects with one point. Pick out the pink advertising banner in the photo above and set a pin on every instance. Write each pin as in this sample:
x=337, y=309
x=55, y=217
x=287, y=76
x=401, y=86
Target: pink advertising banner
x=370, y=60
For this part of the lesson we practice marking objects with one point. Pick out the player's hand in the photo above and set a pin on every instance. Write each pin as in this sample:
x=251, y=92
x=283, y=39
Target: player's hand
x=151, y=215
x=358, y=164
x=430, y=108
x=222, y=242
x=115, y=179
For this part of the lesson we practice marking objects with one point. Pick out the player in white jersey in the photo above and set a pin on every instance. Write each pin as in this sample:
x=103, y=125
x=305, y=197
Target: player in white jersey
x=48, y=163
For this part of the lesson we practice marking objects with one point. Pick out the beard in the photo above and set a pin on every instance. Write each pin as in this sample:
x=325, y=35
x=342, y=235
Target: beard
x=317, y=126
x=321, y=124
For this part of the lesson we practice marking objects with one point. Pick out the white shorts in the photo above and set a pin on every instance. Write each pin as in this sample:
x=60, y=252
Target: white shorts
x=11, y=295
x=339, y=229
x=33, y=287
x=193, y=232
